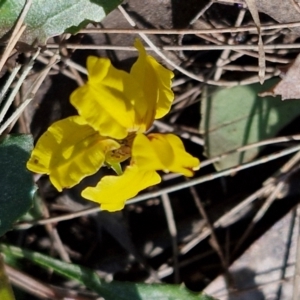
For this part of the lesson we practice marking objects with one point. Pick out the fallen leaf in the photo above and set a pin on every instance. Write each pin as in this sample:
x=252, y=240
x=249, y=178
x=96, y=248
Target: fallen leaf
x=262, y=60
x=237, y=116
x=49, y=18
x=289, y=86
x=17, y=186
x=281, y=11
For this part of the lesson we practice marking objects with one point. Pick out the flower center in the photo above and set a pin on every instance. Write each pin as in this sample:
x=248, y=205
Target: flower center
x=122, y=153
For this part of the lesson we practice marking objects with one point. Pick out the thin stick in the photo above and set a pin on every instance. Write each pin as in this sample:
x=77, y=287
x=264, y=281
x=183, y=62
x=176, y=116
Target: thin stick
x=261, y=212
x=216, y=175
x=45, y=61
x=190, y=31
x=6, y=292
x=186, y=94
x=216, y=244
x=173, y=233
x=202, y=12
x=10, y=46
x=29, y=95
x=13, y=93
x=177, y=48
x=65, y=53
x=30, y=284
x=225, y=54
x=173, y=188
x=54, y=236
x=170, y=62
x=222, y=220
x=296, y=286
x=225, y=295
x=271, y=141
x=9, y=81
x=168, y=128
x=246, y=68
x=231, y=2
x=16, y=34
x=261, y=59
x=42, y=290
x=68, y=62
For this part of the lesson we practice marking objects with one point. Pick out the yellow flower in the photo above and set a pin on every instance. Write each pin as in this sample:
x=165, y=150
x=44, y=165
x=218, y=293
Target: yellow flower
x=115, y=109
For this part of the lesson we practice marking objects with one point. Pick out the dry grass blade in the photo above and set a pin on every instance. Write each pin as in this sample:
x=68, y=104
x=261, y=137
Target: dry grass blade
x=30, y=93
x=16, y=34
x=176, y=187
x=215, y=243
x=225, y=54
x=261, y=61
x=254, y=12
x=173, y=232
x=283, y=175
x=27, y=68
x=40, y=289
x=273, y=196
x=157, y=49
x=54, y=235
x=6, y=291
x=223, y=220
x=296, y=287
x=9, y=81
x=190, y=31
x=202, y=11
x=174, y=65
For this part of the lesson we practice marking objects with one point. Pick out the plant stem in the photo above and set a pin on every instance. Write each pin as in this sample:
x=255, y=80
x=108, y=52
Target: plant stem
x=6, y=292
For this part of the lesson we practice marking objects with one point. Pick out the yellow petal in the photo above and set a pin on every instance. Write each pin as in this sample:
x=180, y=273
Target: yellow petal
x=155, y=81
x=69, y=151
x=106, y=100
x=146, y=157
x=113, y=191
x=163, y=152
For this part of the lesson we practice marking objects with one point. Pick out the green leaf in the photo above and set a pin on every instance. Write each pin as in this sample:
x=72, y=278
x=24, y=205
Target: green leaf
x=110, y=291
x=49, y=18
x=6, y=292
x=233, y=117
x=17, y=187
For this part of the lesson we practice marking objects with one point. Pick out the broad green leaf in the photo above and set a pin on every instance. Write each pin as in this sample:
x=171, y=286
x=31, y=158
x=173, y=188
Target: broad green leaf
x=49, y=18
x=16, y=184
x=233, y=117
x=110, y=291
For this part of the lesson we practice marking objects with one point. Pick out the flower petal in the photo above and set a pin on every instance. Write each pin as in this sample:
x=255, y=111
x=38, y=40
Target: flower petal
x=163, y=152
x=69, y=151
x=155, y=81
x=128, y=101
x=105, y=101
x=113, y=191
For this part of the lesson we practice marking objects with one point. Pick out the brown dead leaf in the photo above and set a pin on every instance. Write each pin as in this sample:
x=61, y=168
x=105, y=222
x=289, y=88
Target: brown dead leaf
x=261, y=61
x=286, y=11
x=296, y=4
x=289, y=86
